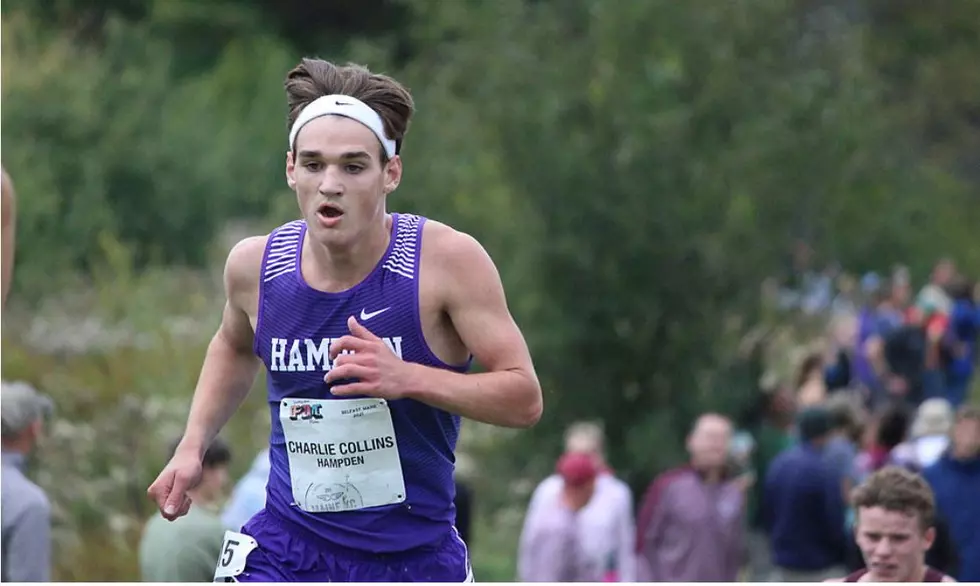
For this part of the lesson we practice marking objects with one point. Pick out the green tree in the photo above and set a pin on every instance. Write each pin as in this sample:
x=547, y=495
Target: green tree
x=669, y=150
x=107, y=141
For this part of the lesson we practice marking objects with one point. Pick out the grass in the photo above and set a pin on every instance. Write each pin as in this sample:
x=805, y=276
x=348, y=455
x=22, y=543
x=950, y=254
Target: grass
x=494, y=547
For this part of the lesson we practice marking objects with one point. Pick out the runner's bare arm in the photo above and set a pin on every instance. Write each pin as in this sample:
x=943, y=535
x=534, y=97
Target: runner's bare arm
x=230, y=365
x=8, y=231
x=509, y=393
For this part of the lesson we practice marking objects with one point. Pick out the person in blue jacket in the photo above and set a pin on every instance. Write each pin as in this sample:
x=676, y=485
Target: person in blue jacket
x=803, y=506
x=955, y=480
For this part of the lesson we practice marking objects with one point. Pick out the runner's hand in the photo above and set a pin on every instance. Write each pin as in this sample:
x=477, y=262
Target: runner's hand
x=377, y=370
x=169, y=490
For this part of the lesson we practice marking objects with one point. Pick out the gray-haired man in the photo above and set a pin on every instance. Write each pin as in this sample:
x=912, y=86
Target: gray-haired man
x=26, y=511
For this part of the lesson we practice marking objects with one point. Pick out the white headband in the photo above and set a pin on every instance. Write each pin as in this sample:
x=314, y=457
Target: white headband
x=349, y=107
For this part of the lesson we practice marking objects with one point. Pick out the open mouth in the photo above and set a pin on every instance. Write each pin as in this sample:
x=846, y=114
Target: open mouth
x=329, y=211
x=884, y=569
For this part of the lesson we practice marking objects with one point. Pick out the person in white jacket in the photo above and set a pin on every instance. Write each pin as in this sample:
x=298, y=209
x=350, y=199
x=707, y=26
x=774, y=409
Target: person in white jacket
x=606, y=525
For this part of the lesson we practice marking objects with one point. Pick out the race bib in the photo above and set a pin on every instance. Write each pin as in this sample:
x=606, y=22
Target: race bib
x=343, y=455
x=234, y=552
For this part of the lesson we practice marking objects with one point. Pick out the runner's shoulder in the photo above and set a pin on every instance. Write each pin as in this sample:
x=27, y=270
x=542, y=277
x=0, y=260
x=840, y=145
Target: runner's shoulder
x=450, y=248
x=244, y=263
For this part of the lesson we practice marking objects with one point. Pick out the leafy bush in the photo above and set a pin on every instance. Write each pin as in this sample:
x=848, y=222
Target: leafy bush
x=107, y=142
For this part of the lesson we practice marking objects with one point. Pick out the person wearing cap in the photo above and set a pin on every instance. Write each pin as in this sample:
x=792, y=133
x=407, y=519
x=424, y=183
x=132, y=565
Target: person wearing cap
x=691, y=522
x=550, y=544
x=929, y=435
x=606, y=525
x=803, y=506
x=26, y=511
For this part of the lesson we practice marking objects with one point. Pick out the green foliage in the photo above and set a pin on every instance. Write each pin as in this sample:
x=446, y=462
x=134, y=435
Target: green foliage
x=672, y=151
x=636, y=169
x=106, y=142
x=122, y=380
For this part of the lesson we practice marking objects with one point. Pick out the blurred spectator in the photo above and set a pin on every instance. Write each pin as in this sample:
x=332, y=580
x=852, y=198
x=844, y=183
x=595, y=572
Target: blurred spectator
x=818, y=290
x=846, y=300
x=839, y=371
x=550, y=546
x=905, y=349
x=876, y=320
x=187, y=549
x=955, y=479
x=901, y=288
x=889, y=430
x=464, y=499
x=842, y=449
x=606, y=523
x=964, y=330
x=248, y=496
x=928, y=439
x=464, y=510
x=804, y=507
x=694, y=514
x=929, y=435
x=932, y=310
x=933, y=299
x=26, y=512
x=772, y=436
x=811, y=386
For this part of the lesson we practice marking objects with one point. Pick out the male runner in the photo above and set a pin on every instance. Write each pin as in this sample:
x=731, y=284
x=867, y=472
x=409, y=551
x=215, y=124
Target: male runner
x=894, y=529
x=366, y=323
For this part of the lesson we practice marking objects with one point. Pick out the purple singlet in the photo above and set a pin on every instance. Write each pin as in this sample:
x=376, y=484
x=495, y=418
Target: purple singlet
x=295, y=327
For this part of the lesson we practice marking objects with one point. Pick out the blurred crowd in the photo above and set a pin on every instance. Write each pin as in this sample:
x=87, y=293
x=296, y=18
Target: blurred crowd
x=768, y=496
x=884, y=341
x=763, y=497
x=771, y=503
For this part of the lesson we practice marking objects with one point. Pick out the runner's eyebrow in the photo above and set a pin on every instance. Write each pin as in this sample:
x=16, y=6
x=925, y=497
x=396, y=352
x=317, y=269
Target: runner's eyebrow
x=346, y=156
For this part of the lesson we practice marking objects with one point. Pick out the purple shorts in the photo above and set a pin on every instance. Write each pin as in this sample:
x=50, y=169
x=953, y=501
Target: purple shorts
x=287, y=553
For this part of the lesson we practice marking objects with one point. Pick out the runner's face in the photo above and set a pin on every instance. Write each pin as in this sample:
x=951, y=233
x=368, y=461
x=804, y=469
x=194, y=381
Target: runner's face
x=893, y=544
x=339, y=179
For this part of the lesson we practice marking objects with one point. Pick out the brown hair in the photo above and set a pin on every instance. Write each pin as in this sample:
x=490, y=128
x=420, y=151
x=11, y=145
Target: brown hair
x=845, y=413
x=811, y=362
x=897, y=489
x=315, y=78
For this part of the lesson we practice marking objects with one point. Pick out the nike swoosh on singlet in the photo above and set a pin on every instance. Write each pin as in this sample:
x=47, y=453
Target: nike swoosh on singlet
x=366, y=316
